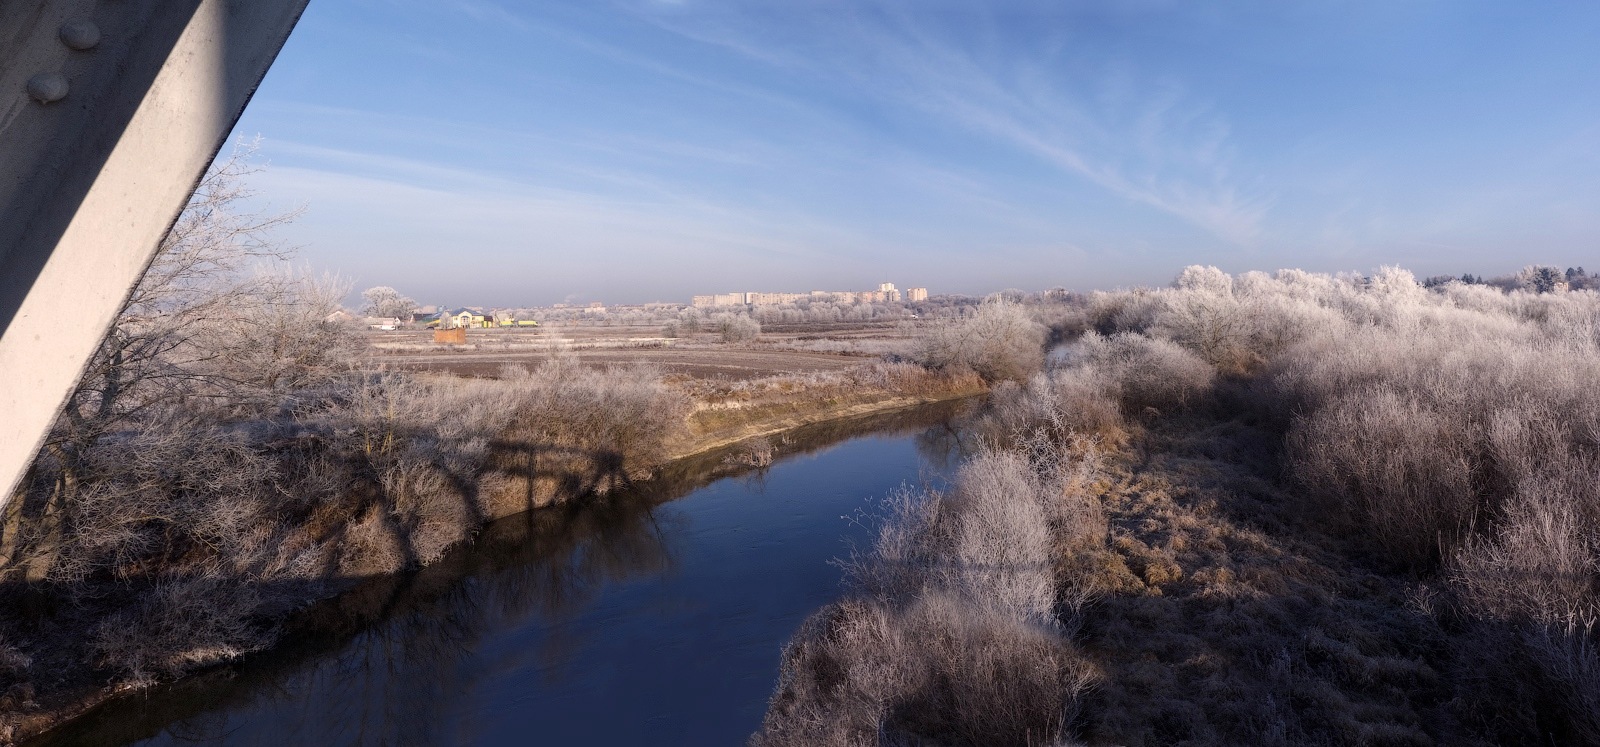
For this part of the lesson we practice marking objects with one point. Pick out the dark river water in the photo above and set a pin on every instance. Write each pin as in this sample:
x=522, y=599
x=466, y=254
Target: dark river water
x=655, y=616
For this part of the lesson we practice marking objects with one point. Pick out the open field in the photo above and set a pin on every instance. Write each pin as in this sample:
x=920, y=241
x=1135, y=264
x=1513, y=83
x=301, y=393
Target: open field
x=796, y=349
x=699, y=363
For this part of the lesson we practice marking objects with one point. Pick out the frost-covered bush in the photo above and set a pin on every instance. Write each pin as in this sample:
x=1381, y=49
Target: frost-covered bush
x=1143, y=372
x=736, y=327
x=1096, y=383
x=1455, y=431
x=952, y=635
x=1449, y=434
x=1452, y=430
x=1000, y=341
x=191, y=539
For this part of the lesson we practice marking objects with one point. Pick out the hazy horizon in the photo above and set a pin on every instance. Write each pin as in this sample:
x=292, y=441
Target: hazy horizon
x=470, y=152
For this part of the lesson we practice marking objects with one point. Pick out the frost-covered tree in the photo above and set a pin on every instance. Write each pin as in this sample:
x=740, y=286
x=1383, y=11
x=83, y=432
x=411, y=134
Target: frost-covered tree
x=218, y=321
x=1544, y=279
x=387, y=302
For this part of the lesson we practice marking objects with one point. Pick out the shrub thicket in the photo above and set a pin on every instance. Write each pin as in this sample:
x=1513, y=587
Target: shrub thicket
x=1454, y=432
x=1000, y=342
x=184, y=542
x=1447, y=436
x=957, y=631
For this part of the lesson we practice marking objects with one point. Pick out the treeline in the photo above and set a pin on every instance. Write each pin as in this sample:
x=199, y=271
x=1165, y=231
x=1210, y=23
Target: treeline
x=684, y=320
x=1443, y=443
x=1535, y=278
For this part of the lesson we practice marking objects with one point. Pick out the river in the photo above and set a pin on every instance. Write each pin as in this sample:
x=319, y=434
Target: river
x=652, y=616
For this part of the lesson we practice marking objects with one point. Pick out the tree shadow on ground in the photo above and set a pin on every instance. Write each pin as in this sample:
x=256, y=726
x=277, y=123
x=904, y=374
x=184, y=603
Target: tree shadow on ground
x=546, y=562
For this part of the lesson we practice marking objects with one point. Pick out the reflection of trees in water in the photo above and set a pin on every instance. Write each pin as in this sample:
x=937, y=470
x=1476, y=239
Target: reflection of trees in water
x=943, y=446
x=405, y=679
x=398, y=660
x=552, y=567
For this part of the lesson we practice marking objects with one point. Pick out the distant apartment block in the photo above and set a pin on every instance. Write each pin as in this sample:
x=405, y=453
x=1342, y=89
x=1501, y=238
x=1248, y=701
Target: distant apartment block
x=773, y=299
x=916, y=294
x=721, y=299
x=886, y=293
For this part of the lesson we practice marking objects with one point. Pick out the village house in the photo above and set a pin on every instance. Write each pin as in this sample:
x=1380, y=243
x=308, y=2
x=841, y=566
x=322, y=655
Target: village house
x=464, y=317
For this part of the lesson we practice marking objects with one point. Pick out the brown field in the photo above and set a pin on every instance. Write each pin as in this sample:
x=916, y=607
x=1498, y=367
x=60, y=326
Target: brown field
x=489, y=351
x=698, y=363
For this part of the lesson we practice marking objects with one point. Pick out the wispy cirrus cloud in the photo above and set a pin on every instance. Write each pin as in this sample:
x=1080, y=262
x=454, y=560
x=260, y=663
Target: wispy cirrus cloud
x=976, y=145
x=487, y=11
x=1146, y=141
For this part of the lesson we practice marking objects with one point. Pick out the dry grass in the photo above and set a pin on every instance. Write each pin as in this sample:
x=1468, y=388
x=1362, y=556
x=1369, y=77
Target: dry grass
x=722, y=407
x=875, y=347
x=1449, y=436
x=1224, y=623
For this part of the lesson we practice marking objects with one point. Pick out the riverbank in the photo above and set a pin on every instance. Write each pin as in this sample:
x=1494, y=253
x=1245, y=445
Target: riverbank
x=727, y=414
x=722, y=417
x=1323, y=510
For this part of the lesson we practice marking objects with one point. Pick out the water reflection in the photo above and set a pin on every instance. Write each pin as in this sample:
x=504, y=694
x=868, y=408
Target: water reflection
x=945, y=445
x=655, y=615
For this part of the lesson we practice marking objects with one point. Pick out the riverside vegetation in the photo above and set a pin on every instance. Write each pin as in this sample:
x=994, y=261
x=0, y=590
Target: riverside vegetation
x=230, y=458
x=1266, y=509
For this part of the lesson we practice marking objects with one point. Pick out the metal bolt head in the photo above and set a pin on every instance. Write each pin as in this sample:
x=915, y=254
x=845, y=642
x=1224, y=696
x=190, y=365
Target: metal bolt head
x=47, y=87
x=80, y=35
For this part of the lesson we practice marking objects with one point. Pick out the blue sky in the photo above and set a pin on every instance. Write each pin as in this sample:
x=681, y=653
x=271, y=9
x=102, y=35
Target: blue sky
x=466, y=151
